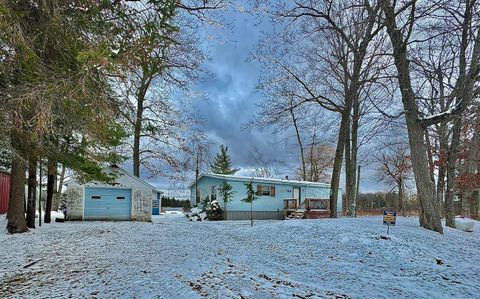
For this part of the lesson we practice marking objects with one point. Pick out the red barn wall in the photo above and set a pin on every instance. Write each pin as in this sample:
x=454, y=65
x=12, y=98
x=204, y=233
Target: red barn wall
x=4, y=192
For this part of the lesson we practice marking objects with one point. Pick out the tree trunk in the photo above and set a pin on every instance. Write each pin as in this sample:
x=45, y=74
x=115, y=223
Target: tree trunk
x=337, y=163
x=51, y=173
x=443, y=142
x=351, y=158
x=197, y=197
x=16, y=204
x=451, y=176
x=420, y=210
x=251, y=213
x=475, y=202
x=399, y=201
x=441, y=176
x=431, y=164
x=224, y=210
x=313, y=171
x=137, y=134
x=354, y=151
x=429, y=218
x=474, y=205
x=59, y=189
x=32, y=191
x=424, y=184
x=348, y=174
x=300, y=145
x=136, y=138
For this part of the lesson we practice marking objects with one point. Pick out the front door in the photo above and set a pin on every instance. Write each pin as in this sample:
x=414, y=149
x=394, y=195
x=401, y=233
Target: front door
x=296, y=195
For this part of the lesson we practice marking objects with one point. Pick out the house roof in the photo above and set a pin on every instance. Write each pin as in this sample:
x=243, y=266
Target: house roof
x=115, y=168
x=259, y=180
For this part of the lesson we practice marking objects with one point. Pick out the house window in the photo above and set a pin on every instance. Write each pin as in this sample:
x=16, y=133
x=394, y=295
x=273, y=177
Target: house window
x=266, y=190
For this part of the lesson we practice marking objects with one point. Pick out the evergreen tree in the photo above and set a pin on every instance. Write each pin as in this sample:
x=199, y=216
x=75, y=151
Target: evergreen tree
x=250, y=199
x=222, y=164
x=55, y=82
x=226, y=192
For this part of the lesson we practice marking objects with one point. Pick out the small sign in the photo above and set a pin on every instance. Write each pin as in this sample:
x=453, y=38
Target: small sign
x=389, y=217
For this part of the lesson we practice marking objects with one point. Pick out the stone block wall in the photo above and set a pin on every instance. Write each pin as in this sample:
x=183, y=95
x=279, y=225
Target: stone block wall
x=74, y=201
x=142, y=205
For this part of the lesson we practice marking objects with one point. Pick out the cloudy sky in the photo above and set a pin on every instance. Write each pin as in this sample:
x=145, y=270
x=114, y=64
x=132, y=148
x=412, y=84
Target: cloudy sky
x=230, y=89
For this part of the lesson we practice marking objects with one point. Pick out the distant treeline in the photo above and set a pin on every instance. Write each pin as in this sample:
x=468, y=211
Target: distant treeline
x=382, y=200
x=171, y=202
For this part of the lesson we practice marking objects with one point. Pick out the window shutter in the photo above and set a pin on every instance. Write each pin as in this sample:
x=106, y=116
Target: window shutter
x=272, y=191
x=259, y=189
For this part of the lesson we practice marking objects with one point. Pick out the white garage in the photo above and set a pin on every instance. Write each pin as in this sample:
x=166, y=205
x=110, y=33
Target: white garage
x=128, y=198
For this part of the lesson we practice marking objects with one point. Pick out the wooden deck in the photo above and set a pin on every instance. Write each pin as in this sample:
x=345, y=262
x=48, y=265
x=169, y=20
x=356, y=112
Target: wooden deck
x=313, y=208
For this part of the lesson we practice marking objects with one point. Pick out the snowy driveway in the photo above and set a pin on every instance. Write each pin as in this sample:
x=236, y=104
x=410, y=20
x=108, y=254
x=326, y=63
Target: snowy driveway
x=172, y=258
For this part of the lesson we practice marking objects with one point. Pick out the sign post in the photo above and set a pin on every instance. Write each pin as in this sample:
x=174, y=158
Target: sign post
x=389, y=218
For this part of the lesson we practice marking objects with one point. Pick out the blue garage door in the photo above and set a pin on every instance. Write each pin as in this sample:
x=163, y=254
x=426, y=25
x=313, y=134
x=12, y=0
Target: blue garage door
x=107, y=203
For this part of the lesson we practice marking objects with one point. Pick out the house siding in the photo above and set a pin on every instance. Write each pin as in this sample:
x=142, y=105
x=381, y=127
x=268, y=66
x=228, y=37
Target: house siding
x=265, y=207
x=256, y=215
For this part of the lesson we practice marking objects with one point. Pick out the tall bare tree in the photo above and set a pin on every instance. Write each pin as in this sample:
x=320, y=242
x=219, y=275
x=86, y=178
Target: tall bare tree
x=261, y=166
x=401, y=20
x=331, y=63
x=394, y=168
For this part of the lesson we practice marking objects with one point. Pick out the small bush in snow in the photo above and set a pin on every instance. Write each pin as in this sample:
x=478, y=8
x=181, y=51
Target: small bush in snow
x=214, y=212
x=196, y=214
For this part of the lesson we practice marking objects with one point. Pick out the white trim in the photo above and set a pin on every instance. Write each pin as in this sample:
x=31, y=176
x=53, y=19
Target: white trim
x=83, y=204
x=135, y=178
x=105, y=186
x=260, y=180
x=113, y=170
x=131, y=204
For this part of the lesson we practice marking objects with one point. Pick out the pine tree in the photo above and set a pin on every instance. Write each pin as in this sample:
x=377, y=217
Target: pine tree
x=226, y=192
x=250, y=199
x=222, y=164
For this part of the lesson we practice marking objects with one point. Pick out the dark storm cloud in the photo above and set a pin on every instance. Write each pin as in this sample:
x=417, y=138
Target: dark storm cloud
x=232, y=95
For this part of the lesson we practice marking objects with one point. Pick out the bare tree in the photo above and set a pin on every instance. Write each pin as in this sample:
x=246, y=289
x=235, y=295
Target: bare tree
x=160, y=65
x=331, y=63
x=468, y=177
x=394, y=168
x=320, y=159
x=282, y=112
x=262, y=167
x=401, y=20
x=196, y=159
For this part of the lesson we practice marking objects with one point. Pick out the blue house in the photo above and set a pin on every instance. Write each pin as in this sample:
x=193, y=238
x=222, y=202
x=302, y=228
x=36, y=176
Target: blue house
x=276, y=197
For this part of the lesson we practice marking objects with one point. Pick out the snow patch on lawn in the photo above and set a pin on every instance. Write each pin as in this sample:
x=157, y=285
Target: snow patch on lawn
x=175, y=258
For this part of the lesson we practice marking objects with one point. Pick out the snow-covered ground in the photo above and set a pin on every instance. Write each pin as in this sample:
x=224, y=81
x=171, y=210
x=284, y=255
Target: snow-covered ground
x=173, y=258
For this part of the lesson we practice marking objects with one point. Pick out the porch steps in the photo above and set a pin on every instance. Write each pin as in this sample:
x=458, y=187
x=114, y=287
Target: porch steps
x=297, y=214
